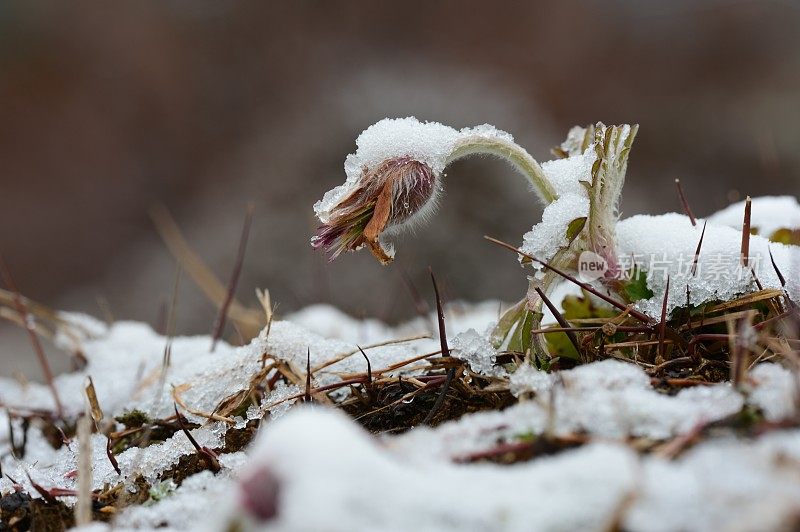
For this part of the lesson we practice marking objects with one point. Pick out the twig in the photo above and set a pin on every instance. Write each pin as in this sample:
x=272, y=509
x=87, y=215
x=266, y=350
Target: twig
x=679, y=383
x=697, y=251
x=170, y=327
x=91, y=396
x=343, y=356
x=30, y=326
x=368, y=385
x=199, y=272
x=611, y=301
x=219, y=324
x=176, y=397
x=111, y=457
x=746, y=232
x=674, y=447
x=46, y=494
x=307, y=397
x=83, y=506
x=781, y=278
x=671, y=363
x=662, y=328
x=205, y=452
x=617, y=328
x=685, y=203
x=561, y=321
x=739, y=352
x=445, y=353
x=18, y=451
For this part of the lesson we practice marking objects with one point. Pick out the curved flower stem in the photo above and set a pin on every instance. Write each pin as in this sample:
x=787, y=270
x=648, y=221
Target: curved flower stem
x=526, y=311
x=511, y=152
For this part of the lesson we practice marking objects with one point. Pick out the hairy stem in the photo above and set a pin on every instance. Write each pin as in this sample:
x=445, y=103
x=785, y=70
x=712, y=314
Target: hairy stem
x=511, y=152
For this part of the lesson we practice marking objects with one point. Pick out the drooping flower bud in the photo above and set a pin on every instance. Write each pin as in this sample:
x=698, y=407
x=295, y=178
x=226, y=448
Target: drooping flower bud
x=394, y=179
x=394, y=193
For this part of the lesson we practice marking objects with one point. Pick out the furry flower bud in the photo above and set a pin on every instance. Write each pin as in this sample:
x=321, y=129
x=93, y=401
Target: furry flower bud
x=394, y=179
x=394, y=193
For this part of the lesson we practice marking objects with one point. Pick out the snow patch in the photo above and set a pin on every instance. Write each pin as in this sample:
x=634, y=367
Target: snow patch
x=767, y=214
x=664, y=246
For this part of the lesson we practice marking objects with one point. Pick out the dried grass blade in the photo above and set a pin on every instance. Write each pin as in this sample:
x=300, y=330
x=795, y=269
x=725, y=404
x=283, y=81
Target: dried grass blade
x=30, y=326
x=219, y=324
x=684, y=203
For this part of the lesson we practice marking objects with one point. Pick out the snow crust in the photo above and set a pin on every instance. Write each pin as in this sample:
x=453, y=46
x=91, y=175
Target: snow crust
x=125, y=363
x=320, y=492
x=725, y=484
x=333, y=476
x=664, y=246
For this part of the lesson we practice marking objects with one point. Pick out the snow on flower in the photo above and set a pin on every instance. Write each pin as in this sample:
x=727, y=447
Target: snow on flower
x=395, y=177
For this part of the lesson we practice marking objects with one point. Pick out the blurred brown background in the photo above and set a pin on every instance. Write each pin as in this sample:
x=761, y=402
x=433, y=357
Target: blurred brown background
x=109, y=108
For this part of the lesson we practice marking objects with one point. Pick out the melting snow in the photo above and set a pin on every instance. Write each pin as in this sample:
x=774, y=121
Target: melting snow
x=477, y=351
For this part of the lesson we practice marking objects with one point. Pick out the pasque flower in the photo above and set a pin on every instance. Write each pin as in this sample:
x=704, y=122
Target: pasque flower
x=395, y=192
x=394, y=180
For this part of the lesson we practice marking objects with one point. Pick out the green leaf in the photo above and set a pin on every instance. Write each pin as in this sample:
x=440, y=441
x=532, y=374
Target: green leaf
x=575, y=307
x=575, y=227
x=582, y=307
x=636, y=288
x=522, y=338
x=558, y=345
x=508, y=320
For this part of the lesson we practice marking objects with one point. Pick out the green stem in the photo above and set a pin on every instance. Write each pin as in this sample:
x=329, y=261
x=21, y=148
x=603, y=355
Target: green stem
x=526, y=165
x=512, y=153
